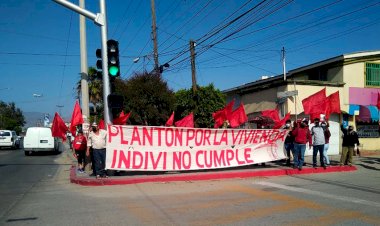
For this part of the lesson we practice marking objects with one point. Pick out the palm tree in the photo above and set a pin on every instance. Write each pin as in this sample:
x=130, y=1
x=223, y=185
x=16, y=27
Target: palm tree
x=95, y=88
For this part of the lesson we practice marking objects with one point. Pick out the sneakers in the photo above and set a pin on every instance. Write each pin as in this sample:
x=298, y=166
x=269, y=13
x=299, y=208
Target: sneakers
x=324, y=166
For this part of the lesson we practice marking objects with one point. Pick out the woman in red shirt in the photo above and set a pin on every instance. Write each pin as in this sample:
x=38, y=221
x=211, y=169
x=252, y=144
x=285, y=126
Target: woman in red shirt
x=80, y=145
x=301, y=137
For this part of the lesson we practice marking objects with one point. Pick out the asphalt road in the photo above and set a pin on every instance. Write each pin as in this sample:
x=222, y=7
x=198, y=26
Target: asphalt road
x=35, y=190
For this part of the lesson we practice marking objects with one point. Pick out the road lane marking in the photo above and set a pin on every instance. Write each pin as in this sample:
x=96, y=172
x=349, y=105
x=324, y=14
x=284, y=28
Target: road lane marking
x=286, y=204
x=321, y=194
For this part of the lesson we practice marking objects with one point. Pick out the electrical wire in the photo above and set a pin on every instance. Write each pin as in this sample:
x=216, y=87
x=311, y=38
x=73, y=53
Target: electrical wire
x=64, y=65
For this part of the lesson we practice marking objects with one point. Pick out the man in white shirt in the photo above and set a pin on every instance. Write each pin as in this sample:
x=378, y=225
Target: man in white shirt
x=97, y=140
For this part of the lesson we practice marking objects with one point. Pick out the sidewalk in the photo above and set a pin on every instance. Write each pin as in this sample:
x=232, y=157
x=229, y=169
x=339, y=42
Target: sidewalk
x=270, y=169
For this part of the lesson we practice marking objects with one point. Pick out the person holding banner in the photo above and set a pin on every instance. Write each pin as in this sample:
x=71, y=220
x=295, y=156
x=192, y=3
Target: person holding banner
x=289, y=142
x=302, y=136
x=97, y=141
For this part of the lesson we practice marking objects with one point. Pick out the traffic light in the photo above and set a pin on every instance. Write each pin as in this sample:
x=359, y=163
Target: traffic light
x=115, y=101
x=99, y=64
x=113, y=58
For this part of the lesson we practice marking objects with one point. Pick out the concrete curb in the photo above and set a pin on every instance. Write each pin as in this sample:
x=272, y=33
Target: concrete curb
x=123, y=180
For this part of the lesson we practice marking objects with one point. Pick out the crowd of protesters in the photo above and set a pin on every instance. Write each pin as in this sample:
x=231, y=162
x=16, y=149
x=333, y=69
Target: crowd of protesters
x=318, y=138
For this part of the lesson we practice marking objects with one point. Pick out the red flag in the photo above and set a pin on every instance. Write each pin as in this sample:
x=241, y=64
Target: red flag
x=59, y=127
x=378, y=101
x=76, y=118
x=187, y=121
x=223, y=114
x=219, y=118
x=333, y=104
x=101, y=124
x=273, y=114
x=309, y=102
x=281, y=122
x=122, y=119
x=238, y=117
x=170, y=120
x=320, y=108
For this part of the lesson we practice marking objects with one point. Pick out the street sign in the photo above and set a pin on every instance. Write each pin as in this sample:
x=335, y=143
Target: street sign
x=287, y=94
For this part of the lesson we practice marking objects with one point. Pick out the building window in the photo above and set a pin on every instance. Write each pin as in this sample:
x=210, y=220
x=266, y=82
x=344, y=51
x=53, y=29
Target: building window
x=368, y=129
x=319, y=74
x=372, y=75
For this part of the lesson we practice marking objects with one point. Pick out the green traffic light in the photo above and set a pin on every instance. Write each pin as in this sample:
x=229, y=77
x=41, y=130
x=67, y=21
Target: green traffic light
x=113, y=70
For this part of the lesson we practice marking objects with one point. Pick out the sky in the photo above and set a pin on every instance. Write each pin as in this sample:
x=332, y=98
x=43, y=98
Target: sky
x=237, y=42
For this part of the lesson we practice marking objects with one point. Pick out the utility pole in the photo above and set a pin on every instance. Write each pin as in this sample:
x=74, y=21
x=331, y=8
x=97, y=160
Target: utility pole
x=100, y=19
x=154, y=37
x=83, y=64
x=193, y=75
x=283, y=62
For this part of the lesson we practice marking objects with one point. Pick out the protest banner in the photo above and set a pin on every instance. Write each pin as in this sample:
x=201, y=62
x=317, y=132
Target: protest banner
x=149, y=148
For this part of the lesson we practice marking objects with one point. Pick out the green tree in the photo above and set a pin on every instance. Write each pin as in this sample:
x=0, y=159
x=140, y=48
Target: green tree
x=148, y=97
x=95, y=89
x=202, y=103
x=11, y=117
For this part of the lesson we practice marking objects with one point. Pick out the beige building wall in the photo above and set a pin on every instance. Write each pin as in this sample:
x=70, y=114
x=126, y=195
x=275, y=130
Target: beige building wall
x=261, y=100
x=353, y=76
x=305, y=91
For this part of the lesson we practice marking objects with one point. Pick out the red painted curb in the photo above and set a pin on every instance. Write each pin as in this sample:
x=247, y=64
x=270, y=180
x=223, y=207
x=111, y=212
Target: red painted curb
x=123, y=180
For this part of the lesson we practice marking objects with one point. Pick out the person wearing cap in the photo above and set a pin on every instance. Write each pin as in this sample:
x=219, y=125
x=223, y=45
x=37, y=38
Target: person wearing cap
x=350, y=138
x=302, y=136
x=97, y=141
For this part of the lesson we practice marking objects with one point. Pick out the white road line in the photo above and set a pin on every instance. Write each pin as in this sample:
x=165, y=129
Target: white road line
x=322, y=194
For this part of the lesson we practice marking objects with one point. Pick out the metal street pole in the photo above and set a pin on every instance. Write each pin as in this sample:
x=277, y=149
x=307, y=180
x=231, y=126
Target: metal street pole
x=106, y=80
x=83, y=64
x=283, y=62
x=154, y=37
x=101, y=20
x=192, y=60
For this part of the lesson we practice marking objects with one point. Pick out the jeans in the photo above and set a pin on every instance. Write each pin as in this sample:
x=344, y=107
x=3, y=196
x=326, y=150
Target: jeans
x=299, y=154
x=325, y=156
x=100, y=161
x=289, y=147
x=316, y=149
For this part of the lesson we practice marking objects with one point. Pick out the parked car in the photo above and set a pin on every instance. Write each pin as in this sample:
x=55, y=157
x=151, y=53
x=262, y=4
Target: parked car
x=39, y=139
x=9, y=139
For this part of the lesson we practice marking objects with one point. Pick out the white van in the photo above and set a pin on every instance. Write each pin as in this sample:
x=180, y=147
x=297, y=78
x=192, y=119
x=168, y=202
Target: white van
x=39, y=139
x=9, y=139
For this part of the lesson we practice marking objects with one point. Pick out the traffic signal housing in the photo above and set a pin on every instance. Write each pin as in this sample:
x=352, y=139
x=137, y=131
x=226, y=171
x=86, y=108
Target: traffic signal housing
x=113, y=58
x=99, y=64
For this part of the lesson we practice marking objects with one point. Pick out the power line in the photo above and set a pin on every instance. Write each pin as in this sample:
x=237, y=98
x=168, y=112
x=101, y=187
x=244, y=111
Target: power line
x=205, y=48
x=134, y=15
x=205, y=38
x=191, y=19
x=64, y=65
x=286, y=20
x=120, y=22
